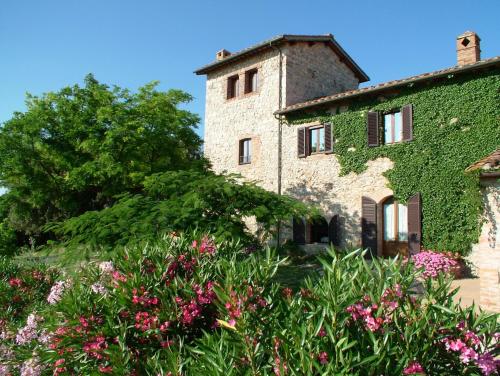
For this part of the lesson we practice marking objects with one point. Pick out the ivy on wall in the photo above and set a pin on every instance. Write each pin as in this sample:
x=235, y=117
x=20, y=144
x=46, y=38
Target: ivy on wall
x=455, y=123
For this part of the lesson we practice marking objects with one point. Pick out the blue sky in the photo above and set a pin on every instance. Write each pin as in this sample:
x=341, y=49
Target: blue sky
x=48, y=44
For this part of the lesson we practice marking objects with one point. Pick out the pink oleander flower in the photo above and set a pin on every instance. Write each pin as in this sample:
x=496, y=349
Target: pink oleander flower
x=119, y=277
x=6, y=353
x=29, y=332
x=487, y=364
x=207, y=246
x=467, y=354
x=433, y=263
x=107, y=369
x=322, y=332
x=472, y=338
x=414, y=368
x=454, y=345
x=44, y=337
x=56, y=292
x=4, y=370
x=106, y=267
x=15, y=282
x=323, y=358
x=98, y=288
x=31, y=368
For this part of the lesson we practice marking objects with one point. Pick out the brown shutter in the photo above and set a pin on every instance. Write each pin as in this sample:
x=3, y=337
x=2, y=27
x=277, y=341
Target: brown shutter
x=369, y=224
x=414, y=223
x=307, y=141
x=229, y=89
x=334, y=230
x=301, y=142
x=372, y=124
x=299, y=231
x=328, y=138
x=407, y=119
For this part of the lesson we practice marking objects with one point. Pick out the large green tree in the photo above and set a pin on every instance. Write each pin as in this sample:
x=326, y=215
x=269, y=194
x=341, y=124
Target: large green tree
x=77, y=149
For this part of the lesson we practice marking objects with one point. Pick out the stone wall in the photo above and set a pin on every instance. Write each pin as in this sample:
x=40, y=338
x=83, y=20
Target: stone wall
x=316, y=179
x=312, y=71
x=247, y=116
x=486, y=254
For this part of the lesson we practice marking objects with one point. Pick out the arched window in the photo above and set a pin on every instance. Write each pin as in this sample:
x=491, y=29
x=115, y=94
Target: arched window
x=395, y=221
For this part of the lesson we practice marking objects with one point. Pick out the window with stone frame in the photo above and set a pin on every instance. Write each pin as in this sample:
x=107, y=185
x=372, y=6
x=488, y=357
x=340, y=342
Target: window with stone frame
x=315, y=139
x=245, y=151
x=251, y=80
x=233, y=87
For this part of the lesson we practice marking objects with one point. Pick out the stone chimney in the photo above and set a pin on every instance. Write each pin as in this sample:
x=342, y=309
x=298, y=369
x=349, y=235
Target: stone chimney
x=222, y=54
x=468, y=48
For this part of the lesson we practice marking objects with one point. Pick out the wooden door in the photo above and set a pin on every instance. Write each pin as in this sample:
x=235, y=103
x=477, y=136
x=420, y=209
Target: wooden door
x=395, y=229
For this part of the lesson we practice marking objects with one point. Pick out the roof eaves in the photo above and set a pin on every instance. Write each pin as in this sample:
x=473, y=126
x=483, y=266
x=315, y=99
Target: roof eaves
x=344, y=56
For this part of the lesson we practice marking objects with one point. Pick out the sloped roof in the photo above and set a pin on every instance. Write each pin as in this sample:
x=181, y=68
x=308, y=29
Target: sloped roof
x=490, y=162
x=495, y=61
x=327, y=38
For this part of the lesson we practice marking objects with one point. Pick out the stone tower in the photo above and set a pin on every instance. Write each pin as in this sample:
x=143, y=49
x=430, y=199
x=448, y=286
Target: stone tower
x=245, y=89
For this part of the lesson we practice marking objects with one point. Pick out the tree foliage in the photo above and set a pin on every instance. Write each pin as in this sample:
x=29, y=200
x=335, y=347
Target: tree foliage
x=76, y=149
x=179, y=201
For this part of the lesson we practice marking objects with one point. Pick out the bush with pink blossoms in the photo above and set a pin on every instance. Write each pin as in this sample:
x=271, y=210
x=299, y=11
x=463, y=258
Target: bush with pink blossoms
x=185, y=306
x=23, y=289
x=433, y=263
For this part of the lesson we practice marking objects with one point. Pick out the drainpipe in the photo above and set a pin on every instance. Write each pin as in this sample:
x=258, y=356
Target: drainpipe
x=280, y=130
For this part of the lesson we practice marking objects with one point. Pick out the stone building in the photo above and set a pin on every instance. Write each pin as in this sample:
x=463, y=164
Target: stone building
x=265, y=119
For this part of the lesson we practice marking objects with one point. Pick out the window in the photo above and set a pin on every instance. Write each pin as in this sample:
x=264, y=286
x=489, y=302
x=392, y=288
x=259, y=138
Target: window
x=251, y=81
x=393, y=128
x=395, y=221
x=314, y=140
x=390, y=128
x=317, y=140
x=318, y=231
x=245, y=154
x=233, y=87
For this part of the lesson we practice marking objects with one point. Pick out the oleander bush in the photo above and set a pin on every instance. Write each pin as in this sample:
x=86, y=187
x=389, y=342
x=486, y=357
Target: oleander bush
x=188, y=306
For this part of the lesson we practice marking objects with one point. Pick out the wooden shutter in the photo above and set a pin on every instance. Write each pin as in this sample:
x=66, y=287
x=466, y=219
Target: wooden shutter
x=299, y=231
x=301, y=142
x=414, y=223
x=328, y=138
x=229, y=91
x=369, y=224
x=407, y=119
x=334, y=230
x=372, y=127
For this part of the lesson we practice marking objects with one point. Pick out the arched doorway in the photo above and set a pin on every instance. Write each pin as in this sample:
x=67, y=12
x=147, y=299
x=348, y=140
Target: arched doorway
x=394, y=228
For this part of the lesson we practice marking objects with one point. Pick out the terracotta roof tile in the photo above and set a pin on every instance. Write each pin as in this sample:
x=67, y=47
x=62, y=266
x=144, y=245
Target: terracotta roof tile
x=327, y=38
x=491, y=162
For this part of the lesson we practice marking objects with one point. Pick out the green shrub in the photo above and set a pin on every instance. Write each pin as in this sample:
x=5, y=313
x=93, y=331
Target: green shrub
x=181, y=201
x=196, y=308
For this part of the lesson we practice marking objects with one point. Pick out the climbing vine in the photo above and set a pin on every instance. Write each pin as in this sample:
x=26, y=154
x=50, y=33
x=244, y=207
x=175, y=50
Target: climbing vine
x=455, y=123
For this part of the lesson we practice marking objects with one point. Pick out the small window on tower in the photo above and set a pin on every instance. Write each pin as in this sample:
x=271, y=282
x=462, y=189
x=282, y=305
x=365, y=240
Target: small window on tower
x=245, y=153
x=251, y=81
x=233, y=87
